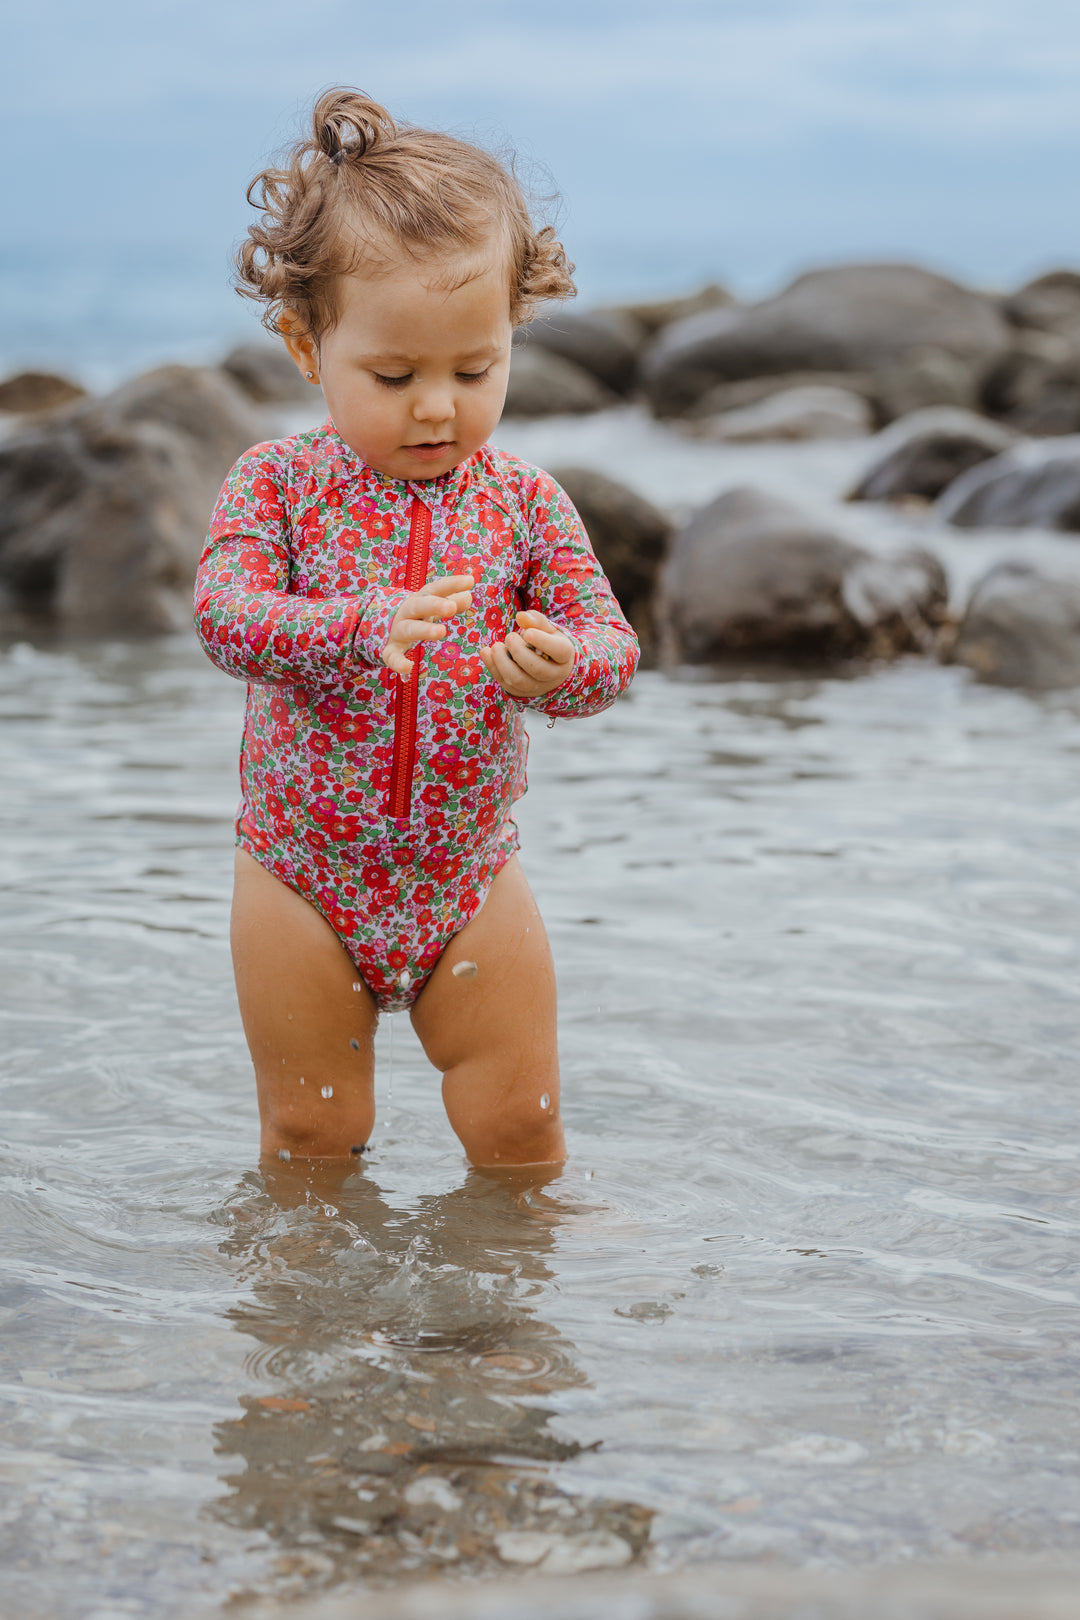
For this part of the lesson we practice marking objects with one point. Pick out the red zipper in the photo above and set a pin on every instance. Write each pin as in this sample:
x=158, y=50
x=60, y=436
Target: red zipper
x=399, y=798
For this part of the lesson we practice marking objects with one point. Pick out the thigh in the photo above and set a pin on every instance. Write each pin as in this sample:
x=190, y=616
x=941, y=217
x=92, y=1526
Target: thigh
x=493, y=1033
x=309, y=1019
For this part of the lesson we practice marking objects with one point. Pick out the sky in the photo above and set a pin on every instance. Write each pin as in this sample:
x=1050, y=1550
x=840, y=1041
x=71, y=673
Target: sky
x=738, y=140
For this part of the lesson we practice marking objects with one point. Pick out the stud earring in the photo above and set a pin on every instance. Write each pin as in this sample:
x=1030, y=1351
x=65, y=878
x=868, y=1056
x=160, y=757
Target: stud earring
x=309, y=375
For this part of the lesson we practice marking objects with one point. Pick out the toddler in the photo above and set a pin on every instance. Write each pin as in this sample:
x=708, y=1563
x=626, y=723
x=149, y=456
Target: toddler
x=397, y=594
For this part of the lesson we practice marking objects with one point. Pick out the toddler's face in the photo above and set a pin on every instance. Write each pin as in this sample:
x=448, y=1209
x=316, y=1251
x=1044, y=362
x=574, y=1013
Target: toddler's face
x=414, y=375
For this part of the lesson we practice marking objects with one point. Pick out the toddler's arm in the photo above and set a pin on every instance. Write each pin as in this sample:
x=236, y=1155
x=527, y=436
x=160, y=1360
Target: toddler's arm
x=567, y=585
x=248, y=621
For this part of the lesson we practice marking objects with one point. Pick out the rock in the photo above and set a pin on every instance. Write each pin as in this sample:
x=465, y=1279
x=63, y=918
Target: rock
x=1030, y=486
x=923, y=377
x=651, y=316
x=864, y=318
x=752, y=576
x=544, y=384
x=104, y=506
x=1022, y=628
x=33, y=391
x=1035, y=387
x=732, y=396
x=266, y=373
x=922, y=453
x=629, y=536
x=1050, y=303
x=796, y=413
x=203, y=404
x=604, y=342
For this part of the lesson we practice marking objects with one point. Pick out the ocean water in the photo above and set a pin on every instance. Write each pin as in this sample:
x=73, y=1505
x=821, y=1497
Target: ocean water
x=807, y=1290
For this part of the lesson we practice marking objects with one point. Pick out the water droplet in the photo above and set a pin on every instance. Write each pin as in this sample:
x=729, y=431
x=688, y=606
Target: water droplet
x=301, y=1079
x=284, y=1155
x=464, y=970
x=357, y=985
x=328, y=1091
x=404, y=978
x=355, y=1044
x=545, y=1101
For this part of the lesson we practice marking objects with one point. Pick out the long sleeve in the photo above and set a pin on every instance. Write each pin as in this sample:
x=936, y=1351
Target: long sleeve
x=567, y=584
x=248, y=621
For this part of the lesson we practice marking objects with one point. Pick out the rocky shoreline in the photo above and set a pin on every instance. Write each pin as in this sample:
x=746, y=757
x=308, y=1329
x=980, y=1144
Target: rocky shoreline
x=968, y=403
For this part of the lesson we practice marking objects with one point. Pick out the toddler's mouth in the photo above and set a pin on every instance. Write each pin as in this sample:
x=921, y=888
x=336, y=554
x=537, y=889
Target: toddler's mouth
x=431, y=450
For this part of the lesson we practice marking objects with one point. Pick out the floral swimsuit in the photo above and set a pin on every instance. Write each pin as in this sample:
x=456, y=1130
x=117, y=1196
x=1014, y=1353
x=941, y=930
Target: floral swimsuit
x=387, y=804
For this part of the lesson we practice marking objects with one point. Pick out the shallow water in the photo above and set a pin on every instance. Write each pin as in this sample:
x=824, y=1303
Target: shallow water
x=807, y=1291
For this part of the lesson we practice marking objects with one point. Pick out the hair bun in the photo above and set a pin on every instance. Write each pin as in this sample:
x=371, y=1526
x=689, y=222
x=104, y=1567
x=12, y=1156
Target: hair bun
x=346, y=124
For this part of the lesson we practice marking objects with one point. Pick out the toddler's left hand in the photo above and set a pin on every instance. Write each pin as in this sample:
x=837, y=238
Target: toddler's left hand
x=532, y=662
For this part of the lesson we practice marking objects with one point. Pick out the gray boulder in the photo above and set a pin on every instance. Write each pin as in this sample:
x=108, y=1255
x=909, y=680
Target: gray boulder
x=104, y=505
x=544, y=384
x=923, y=377
x=755, y=577
x=1030, y=486
x=1022, y=628
x=660, y=312
x=863, y=318
x=1050, y=303
x=733, y=396
x=29, y=392
x=811, y=412
x=268, y=376
x=629, y=535
x=605, y=342
x=1036, y=386
x=921, y=454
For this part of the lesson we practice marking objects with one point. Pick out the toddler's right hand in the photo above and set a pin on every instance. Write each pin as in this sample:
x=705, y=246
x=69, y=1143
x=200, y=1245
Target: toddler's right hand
x=419, y=618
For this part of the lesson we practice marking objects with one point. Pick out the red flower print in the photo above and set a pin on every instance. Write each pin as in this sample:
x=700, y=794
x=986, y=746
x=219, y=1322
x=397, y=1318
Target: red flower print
x=355, y=727
x=445, y=758
x=330, y=708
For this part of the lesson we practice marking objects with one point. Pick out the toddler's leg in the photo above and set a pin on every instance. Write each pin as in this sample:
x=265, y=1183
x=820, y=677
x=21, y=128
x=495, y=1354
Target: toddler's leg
x=303, y=1020
x=493, y=1033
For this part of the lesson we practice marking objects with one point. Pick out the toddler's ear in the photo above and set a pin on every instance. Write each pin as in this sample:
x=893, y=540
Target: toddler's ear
x=300, y=344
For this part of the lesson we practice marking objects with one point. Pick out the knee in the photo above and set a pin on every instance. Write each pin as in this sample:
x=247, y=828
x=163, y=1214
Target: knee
x=305, y=1133
x=520, y=1133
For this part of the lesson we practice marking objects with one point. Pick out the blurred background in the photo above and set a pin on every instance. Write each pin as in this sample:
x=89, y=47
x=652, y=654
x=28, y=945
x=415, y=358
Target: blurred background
x=806, y=1293
x=732, y=140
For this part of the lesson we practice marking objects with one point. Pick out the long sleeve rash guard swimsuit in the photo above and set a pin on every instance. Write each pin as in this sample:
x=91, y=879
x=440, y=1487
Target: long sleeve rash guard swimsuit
x=387, y=805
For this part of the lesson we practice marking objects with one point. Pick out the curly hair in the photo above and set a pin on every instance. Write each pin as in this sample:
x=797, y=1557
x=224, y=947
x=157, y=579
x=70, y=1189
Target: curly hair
x=359, y=189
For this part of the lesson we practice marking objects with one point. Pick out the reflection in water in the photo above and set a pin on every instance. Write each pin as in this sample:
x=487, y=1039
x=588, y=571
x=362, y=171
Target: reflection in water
x=408, y=1428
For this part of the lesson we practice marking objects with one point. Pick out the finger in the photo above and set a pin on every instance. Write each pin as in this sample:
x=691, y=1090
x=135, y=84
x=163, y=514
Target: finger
x=450, y=584
x=407, y=632
x=430, y=606
x=533, y=663
x=397, y=661
x=510, y=676
x=530, y=619
x=550, y=644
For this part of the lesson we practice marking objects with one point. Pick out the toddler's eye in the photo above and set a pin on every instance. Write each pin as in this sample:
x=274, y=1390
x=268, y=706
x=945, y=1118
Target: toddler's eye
x=474, y=376
x=391, y=382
